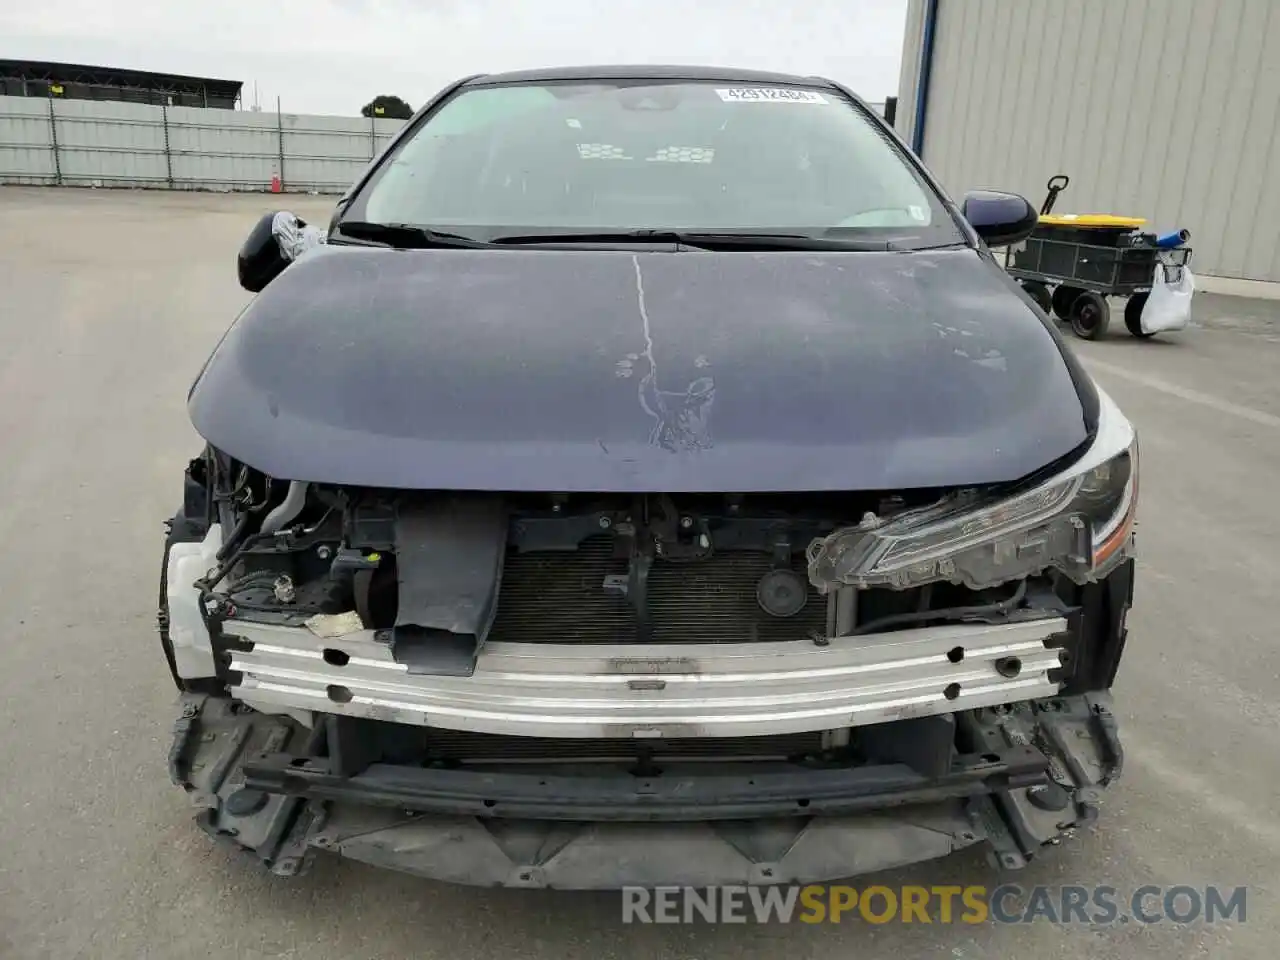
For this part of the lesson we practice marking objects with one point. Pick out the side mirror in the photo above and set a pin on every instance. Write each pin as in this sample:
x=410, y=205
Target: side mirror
x=1000, y=219
x=260, y=260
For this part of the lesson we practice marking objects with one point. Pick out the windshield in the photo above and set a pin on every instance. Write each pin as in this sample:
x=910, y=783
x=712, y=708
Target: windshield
x=684, y=156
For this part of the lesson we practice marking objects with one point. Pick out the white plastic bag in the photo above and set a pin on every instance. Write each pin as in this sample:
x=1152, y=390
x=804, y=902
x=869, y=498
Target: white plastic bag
x=294, y=236
x=1168, y=307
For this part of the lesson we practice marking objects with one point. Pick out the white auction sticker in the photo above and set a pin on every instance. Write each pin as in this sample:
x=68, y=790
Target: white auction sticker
x=770, y=95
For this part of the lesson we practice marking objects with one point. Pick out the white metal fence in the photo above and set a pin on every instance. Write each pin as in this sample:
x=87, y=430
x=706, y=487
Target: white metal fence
x=110, y=144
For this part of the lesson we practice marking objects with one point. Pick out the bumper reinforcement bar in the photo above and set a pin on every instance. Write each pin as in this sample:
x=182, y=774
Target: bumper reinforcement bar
x=656, y=690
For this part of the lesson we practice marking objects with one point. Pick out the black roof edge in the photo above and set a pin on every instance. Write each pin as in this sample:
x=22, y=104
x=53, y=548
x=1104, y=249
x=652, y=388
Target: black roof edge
x=646, y=72
x=143, y=79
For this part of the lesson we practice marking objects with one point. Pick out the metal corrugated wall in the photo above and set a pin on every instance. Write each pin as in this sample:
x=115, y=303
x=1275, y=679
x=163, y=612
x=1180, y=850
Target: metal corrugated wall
x=1165, y=109
x=107, y=143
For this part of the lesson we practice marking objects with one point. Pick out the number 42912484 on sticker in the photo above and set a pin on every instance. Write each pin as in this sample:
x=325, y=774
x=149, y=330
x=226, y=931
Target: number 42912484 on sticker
x=769, y=95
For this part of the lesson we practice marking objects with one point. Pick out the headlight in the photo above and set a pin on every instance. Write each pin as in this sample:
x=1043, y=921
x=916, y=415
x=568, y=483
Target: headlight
x=1080, y=522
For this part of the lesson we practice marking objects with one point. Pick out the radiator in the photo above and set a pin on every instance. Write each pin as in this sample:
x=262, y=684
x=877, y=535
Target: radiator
x=559, y=597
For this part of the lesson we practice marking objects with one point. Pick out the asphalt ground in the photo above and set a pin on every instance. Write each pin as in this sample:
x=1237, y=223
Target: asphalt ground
x=110, y=301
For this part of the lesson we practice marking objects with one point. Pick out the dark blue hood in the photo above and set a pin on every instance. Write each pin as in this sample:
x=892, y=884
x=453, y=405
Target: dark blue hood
x=573, y=370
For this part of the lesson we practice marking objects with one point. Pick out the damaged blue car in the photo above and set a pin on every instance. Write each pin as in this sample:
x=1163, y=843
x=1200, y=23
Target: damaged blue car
x=648, y=476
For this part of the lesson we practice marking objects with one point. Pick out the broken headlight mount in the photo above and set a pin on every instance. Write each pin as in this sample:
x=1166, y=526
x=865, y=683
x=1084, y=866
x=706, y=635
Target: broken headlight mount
x=1080, y=521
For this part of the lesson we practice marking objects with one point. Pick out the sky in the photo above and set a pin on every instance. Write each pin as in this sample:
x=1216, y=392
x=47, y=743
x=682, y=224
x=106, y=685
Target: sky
x=333, y=56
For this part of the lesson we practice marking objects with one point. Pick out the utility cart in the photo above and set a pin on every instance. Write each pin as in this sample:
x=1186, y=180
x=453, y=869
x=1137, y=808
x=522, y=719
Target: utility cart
x=1071, y=263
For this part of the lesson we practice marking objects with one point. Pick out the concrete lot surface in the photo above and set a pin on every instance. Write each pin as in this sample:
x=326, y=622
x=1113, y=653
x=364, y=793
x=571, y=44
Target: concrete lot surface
x=110, y=301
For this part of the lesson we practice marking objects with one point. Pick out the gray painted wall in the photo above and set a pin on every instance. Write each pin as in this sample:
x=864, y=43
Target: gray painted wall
x=1164, y=109
x=110, y=144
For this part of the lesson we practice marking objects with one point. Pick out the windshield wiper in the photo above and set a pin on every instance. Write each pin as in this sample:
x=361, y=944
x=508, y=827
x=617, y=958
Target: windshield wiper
x=703, y=240
x=622, y=236
x=405, y=235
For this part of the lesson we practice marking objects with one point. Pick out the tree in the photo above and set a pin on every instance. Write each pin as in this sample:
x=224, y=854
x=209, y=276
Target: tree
x=388, y=107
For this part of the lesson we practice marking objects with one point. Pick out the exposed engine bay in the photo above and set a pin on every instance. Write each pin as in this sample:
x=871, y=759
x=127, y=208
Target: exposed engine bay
x=434, y=577
x=615, y=659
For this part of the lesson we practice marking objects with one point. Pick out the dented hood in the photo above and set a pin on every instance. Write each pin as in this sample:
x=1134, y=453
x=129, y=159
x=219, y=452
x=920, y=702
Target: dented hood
x=572, y=370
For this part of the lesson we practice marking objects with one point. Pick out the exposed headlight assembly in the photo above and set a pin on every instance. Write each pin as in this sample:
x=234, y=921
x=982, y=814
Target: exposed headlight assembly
x=1079, y=522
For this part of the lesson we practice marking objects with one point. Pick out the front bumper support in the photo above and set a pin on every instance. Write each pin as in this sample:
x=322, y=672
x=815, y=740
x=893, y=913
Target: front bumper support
x=662, y=798
x=657, y=690
x=1033, y=772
